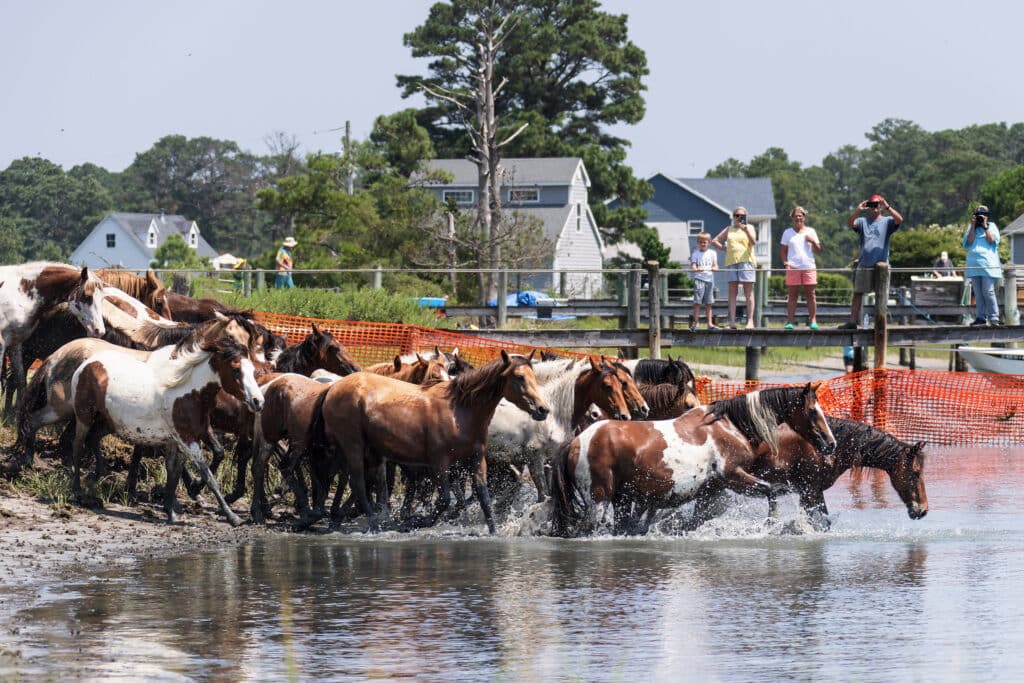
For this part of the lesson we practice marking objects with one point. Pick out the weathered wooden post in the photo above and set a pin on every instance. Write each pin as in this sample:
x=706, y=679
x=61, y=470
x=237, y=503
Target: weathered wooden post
x=246, y=282
x=1009, y=293
x=501, y=301
x=881, y=411
x=378, y=277
x=653, y=310
x=760, y=294
x=753, y=363
x=632, y=304
x=663, y=292
x=261, y=280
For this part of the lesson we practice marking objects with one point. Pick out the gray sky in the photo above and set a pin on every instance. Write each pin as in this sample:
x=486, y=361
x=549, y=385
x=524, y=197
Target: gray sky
x=103, y=80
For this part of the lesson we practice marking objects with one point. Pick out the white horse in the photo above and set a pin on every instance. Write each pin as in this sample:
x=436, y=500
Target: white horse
x=165, y=399
x=569, y=387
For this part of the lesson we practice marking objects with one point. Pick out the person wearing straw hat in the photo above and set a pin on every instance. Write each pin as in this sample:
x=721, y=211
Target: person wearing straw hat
x=285, y=264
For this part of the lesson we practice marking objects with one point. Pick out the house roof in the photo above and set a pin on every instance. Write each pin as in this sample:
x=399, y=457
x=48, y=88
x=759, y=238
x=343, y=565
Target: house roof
x=517, y=171
x=1015, y=227
x=137, y=224
x=755, y=194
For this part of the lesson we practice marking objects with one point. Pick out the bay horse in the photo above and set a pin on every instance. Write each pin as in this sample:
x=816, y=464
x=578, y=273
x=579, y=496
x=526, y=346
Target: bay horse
x=668, y=386
x=148, y=289
x=666, y=463
x=184, y=308
x=455, y=363
x=570, y=390
x=797, y=466
x=30, y=290
x=165, y=399
x=367, y=419
x=420, y=371
x=318, y=351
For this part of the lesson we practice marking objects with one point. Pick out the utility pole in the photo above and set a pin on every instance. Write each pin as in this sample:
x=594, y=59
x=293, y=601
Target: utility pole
x=346, y=155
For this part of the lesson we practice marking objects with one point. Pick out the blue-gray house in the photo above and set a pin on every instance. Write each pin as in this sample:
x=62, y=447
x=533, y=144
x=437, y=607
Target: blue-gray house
x=130, y=240
x=682, y=207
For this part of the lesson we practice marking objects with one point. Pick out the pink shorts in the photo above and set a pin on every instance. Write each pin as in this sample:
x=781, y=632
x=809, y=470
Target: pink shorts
x=795, y=278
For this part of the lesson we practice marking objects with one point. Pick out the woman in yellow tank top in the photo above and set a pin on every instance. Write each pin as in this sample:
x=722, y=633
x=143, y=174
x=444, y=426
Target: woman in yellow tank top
x=738, y=242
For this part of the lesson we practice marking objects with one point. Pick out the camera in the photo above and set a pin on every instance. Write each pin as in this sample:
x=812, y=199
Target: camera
x=979, y=220
x=743, y=220
x=872, y=205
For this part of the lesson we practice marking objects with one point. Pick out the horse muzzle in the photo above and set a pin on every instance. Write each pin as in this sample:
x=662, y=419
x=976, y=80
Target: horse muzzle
x=916, y=511
x=826, y=447
x=643, y=411
x=539, y=413
x=624, y=416
x=255, y=403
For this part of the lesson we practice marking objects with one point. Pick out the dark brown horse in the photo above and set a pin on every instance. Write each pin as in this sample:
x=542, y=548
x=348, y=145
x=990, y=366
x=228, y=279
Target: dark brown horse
x=651, y=465
x=318, y=351
x=187, y=309
x=668, y=386
x=796, y=465
x=367, y=419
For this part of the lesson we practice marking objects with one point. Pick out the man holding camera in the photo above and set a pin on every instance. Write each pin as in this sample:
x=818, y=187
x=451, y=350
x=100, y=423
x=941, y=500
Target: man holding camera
x=874, y=231
x=983, y=268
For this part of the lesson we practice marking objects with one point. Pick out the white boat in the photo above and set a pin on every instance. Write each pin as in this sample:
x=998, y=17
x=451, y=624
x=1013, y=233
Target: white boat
x=987, y=359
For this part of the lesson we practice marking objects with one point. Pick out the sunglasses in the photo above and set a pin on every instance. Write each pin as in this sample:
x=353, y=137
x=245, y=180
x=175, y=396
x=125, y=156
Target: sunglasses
x=872, y=205
x=739, y=215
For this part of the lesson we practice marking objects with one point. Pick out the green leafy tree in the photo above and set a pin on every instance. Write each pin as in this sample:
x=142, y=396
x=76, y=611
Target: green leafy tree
x=1003, y=194
x=569, y=74
x=175, y=253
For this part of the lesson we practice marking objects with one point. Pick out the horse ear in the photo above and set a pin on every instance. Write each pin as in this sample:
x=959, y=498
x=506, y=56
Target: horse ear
x=437, y=352
x=217, y=315
x=455, y=352
x=85, y=273
x=593, y=364
x=533, y=352
x=505, y=359
x=669, y=357
x=398, y=362
x=316, y=330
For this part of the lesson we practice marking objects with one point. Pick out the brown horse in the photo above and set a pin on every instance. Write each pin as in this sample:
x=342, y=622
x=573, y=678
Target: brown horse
x=668, y=386
x=419, y=371
x=148, y=289
x=796, y=465
x=666, y=463
x=319, y=350
x=183, y=308
x=367, y=419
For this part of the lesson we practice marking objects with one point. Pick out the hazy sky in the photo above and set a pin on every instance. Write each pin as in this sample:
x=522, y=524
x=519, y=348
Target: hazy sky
x=100, y=81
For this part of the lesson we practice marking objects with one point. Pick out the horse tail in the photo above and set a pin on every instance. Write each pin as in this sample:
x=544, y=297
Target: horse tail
x=570, y=498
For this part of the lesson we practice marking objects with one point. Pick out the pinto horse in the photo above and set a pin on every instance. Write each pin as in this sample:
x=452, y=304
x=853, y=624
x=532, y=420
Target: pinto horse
x=570, y=390
x=165, y=399
x=797, y=466
x=666, y=463
x=367, y=419
x=30, y=290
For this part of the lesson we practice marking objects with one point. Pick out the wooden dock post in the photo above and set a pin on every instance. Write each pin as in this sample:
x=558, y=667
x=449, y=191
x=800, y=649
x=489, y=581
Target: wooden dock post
x=752, y=366
x=653, y=310
x=881, y=313
x=1009, y=293
x=760, y=295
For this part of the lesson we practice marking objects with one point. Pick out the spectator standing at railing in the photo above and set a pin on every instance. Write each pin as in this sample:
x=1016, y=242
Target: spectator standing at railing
x=738, y=241
x=799, y=244
x=703, y=264
x=285, y=263
x=983, y=267
x=874, y=230
x=943, y=266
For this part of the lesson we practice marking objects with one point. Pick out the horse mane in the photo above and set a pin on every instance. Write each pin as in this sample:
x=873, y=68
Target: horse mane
x=856, y=438
x=660, y=371
x=660, y=397
x=757, y=413
x=144, y=289
x=481, y=385
x=197, y=347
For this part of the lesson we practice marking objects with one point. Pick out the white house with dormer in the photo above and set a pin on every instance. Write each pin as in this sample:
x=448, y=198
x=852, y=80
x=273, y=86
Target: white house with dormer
x=553, y=190
x=130, y=240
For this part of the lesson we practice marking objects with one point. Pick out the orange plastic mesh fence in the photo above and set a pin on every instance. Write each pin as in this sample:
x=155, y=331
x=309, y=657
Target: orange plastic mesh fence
x=942, y=408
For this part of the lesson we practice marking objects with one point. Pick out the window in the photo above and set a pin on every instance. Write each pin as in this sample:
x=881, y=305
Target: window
x=696, y=227
x=111, y=240
x=193, y=238
x=151, y=238
x=579, y=218
x=524, y=195
x=458, y=196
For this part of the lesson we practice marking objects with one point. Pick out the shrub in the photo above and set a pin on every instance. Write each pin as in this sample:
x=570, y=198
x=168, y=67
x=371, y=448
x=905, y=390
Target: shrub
x=832, y=287
x=370, y=305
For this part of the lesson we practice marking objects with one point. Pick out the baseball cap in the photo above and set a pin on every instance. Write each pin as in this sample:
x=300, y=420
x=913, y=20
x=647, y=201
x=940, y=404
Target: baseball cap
x=875, y=198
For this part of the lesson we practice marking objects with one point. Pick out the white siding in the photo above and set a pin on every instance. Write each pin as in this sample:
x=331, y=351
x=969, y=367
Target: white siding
x=94, y=252
x=675, y=236
x=578, y=250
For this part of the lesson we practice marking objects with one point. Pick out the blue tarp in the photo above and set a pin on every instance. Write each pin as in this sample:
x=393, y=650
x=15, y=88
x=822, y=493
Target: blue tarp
x=525, y=298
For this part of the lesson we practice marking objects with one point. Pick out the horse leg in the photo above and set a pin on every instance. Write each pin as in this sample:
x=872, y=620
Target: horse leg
x=195, y=453
x=194, y=487
x=711, y=502
x=537, y=474
x=243, y=455
x=17, y=377
x=444, y=495
x=482, y=493
x=383, y=491
x=174, y=464
x=81, y=434
x=260, y=456
x=743, y=482
x=812, y=502
x=132, y=482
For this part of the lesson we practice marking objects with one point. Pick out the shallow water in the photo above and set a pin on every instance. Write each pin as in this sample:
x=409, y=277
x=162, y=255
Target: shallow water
x=879, y=597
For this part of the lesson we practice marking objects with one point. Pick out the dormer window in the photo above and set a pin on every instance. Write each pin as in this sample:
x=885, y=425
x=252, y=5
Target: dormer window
x=523, y=195
x=151, y=238
x=193, y=238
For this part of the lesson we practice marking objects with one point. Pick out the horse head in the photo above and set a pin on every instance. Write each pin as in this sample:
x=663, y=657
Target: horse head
x=428, y=371
x=685, y=380
x=638, y=407
x=231, y=361
x=330, y=355
x=457, y=363
x=520, y=385
x=85, y=302
x=601, y=387
x=808, y=420
x=907, y=477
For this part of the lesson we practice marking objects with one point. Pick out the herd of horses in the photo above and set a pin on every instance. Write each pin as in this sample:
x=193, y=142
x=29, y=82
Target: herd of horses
x=605, y=441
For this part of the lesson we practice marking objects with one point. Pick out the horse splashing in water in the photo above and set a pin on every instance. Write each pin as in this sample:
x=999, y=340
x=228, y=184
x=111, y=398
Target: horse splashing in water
x=367, y=419
x=650, y=465
x=797, y=465
x=31, y=290
x=668, y=386
x=165, y=400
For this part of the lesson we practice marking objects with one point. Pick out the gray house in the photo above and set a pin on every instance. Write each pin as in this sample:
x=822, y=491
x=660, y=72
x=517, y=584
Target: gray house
x=682, y=207
x=130, y=240
x=1015, y=233
x=553, y=190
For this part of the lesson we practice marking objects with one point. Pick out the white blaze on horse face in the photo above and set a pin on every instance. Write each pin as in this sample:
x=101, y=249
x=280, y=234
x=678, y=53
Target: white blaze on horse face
x=252, y=392
x=691, y=464
x=828, y=428
x=91, y=314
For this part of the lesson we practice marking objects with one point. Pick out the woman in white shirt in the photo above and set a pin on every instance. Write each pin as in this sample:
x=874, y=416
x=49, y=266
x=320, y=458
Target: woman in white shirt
x=799, y=244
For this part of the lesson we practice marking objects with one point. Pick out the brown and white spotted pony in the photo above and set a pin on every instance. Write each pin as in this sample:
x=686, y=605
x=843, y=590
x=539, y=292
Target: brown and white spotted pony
x=30, y=290
x=638, y=467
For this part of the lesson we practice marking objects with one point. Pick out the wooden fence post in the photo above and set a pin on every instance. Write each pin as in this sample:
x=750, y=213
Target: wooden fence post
x=653, y=310
x=879, y=377
x=378, y=276
x=261, y=280
x=760, y=294
x=501, y=301
x=1009, y=293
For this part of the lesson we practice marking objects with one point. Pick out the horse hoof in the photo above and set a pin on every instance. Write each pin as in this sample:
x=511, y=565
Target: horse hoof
x=234, y=520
